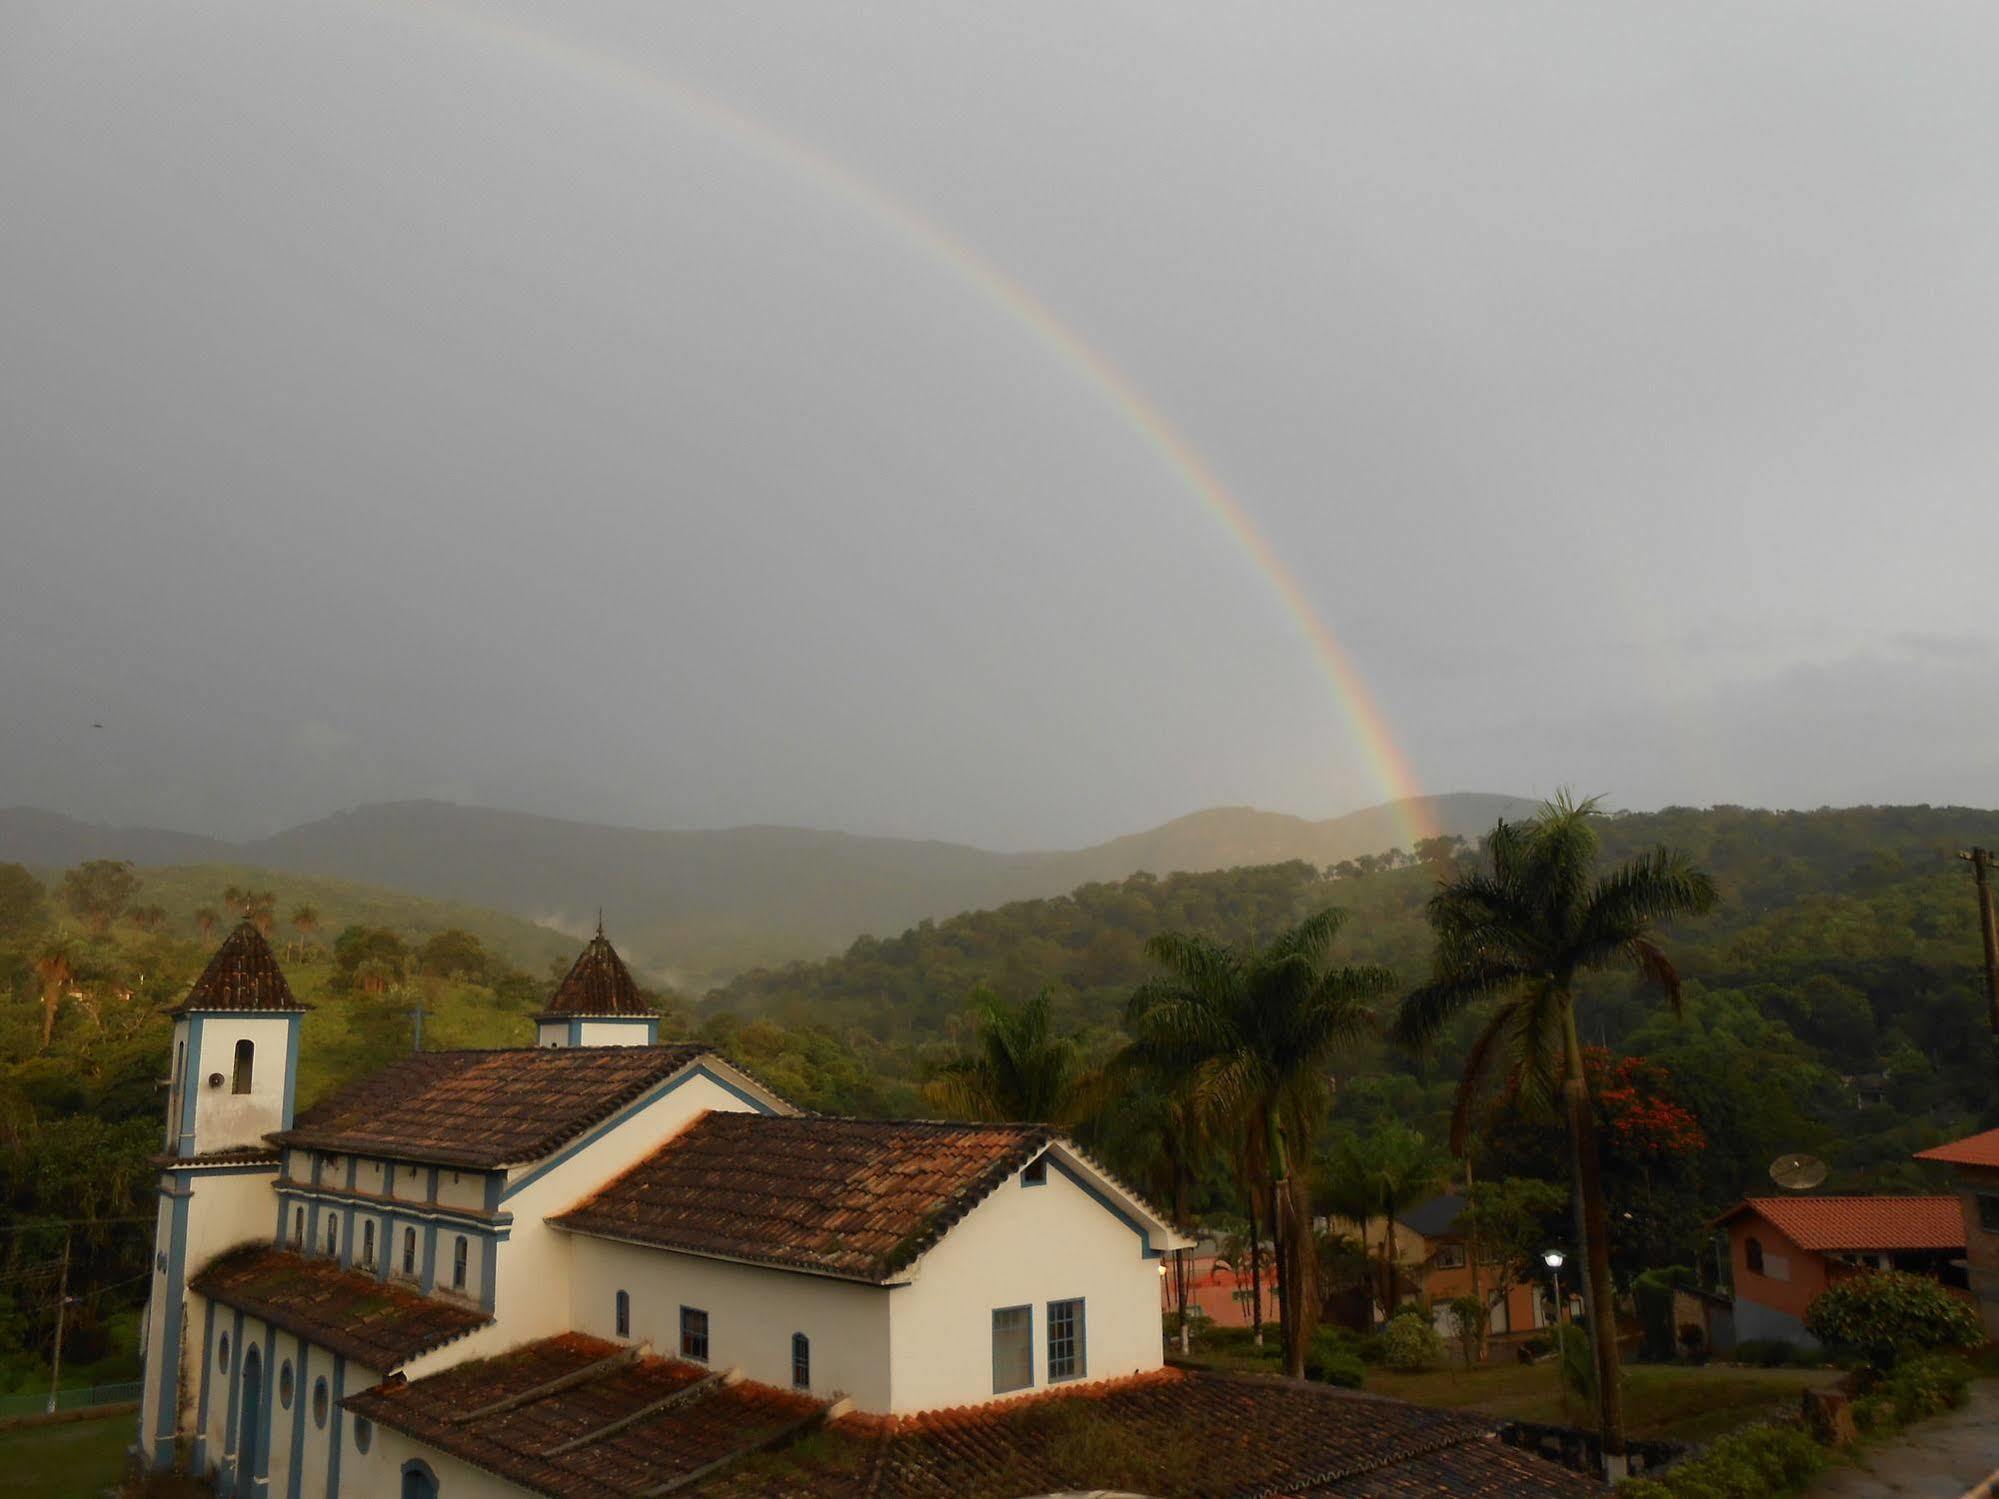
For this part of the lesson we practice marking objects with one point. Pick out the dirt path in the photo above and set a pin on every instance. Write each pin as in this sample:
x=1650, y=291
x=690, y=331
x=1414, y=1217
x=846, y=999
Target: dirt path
x=1937, y=1459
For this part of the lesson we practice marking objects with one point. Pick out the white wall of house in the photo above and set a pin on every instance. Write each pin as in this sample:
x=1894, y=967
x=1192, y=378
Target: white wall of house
x=752, y=1313
x=225, y=1119
x=1023, y=1246
x=455, y=1479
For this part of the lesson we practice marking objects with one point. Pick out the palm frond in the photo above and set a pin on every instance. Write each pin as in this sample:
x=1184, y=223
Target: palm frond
x=1477, y=1060
x=1428, y=1009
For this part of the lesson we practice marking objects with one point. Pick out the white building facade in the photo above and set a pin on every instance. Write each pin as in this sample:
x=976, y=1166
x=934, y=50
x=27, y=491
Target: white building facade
x=603, y=1205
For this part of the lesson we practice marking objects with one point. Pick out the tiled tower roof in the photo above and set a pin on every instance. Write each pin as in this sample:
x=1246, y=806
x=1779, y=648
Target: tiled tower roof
x=598, y=983
x=243, y=975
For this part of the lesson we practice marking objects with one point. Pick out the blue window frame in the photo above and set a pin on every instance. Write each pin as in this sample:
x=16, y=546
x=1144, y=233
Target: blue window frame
x=801, y=1361
x=1013, y=1348
x=1066, y=1338
x=694, y=1334
x=624, y=1314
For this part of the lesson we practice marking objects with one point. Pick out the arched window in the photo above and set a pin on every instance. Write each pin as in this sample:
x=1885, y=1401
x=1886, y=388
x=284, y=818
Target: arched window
x=1753, y=1253
x=368, y=1245
x=298, y=1228
x=418, y=1481
x=459, y=1251
x=245, y=1057
x=285, y=1385
x=801, y=1361
x=364, y=1433
x=409, y=1251
x=332, y=1234
x=624, y=1314
x=319, y=1403
x=222, y=1354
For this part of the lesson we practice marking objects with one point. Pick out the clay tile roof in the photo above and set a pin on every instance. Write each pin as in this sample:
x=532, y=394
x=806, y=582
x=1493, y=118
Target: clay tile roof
x=598, y=983
x=1972, y=1150
x=524, y=1443
x=485, y=1108
x=855, y=1198
x=1206, y=1436
x=377, y=1323
x=243, y=975
x=1838, y=1223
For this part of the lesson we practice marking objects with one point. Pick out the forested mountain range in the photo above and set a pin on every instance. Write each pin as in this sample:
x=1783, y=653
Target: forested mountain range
x=694, y=907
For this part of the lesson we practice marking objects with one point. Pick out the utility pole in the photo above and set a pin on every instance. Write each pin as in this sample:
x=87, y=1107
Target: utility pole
x=1980, y=860
x=62, y=1305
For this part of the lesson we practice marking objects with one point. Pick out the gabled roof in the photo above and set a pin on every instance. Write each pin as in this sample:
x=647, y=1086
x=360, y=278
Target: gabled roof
x=565, y=1427
x=1972, y=1150
x=1860, y=1223
x=856, y=1198
x=557, y=1417
x=243, y=975
x=598, y=984
x=485, y=1108
x=378, y=1323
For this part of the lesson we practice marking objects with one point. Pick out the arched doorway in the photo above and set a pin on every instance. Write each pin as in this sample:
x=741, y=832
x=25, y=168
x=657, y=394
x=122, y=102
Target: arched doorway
x=249, y=1438
x=418, y=1481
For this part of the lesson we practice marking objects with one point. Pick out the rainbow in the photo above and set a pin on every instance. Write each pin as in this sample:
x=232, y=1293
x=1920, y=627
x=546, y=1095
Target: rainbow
x=1387, y=764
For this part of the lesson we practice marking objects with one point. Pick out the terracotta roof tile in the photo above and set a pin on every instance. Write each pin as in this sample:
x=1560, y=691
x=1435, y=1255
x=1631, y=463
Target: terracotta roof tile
x=243, y=975
x=377, y=1323
x=1203, y=1436
x=855, y=1198
x=1972, y=1150
x=1844, y=1223
x=525, y=1441
x=485, y=1108
x=598, y=983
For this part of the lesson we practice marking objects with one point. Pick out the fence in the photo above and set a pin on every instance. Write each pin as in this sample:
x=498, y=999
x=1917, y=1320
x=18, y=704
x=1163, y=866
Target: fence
x=69, y=1400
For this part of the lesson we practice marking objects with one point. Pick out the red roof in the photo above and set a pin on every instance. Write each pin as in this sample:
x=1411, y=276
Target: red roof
x=598, y=983
x=1972, y=1150
x=243, y=975
x=1835, y=1223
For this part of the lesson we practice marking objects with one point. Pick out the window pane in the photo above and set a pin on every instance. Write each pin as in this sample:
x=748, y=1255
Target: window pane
x=694, y=1334
x=1065, y=1340
x=801, y=1361
x=1013, y=1348
x=1988, y=1213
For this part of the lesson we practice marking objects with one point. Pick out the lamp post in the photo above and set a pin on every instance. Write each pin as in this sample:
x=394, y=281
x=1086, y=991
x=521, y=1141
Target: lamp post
x=1554, y=1260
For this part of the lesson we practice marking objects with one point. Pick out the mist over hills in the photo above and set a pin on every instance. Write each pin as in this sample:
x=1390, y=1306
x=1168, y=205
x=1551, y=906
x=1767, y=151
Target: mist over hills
x=696, y=906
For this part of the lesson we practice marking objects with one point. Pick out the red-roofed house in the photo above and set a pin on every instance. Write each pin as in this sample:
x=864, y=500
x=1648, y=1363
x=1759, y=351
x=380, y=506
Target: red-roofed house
x=1785, y=1250
x=1976, y=1158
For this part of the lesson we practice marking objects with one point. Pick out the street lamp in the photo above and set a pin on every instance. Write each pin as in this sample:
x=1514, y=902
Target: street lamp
x=1554, y=1259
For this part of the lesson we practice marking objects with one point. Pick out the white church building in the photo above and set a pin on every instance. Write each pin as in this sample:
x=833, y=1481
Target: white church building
x=594, y=1265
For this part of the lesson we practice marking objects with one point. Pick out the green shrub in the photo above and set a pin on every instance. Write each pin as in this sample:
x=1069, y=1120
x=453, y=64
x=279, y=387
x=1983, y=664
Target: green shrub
x=1878, y=1316
x=1336, y=1363
x=1411, y=1344
x=1763, y=1462
x=1926, y=1384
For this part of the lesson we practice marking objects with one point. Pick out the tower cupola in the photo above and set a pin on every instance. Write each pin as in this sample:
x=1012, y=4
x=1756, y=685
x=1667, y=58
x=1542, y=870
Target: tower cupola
x=597, y=1004
x=235, y=1051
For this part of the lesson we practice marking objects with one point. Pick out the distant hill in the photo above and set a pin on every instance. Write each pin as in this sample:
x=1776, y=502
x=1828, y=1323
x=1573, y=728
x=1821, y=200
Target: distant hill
x=694, y=907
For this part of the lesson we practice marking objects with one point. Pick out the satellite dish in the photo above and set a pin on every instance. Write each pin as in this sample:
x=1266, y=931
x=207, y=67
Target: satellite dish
x=1797, y=1173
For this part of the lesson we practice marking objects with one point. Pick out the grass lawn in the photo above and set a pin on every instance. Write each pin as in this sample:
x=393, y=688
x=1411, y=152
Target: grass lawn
x=1665, y=1402
x=67, y=1459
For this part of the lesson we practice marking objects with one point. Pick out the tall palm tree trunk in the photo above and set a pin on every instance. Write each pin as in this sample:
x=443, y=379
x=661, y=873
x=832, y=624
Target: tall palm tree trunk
x=1255, y=1269
x=1593, y=1229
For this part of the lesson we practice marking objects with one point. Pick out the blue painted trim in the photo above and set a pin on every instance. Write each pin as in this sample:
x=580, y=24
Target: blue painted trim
x=353, y=1173
x=333, y=1427
x=575, y=1033
x=496, y=1183
x=301, y=1397
x=430, y=1194
x=347, y=1239
x=652, y=1032
x=166, y=1419
x=488, y=1263
x=230, y=1464
x=190, y=1088
x=584, y=1142
x=1144, y=1239
x=291, y=1066
x=429, y=1280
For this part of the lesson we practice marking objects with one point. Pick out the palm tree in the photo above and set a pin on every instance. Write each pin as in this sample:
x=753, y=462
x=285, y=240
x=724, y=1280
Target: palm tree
x=1253, y=1032
x=1384, y=1173
x=1019, y=1071
x=55, y=968
x=205, y=919
x=305, y=921
x=1520, y=935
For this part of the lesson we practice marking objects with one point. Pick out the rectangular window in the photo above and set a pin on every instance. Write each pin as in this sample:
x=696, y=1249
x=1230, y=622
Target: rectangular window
x=1065, y=1340
x=1988, y=1212
x=694, y=1334
x=1013, y=1348
x=801, y=1361
x=409, y=1251
x=1451, y=1257
x=368, y=1245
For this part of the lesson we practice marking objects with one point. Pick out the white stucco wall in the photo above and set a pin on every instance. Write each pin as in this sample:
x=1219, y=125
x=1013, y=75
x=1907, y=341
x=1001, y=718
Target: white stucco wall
x=224, y=1119
x=455, y=1479
x=614, y=1033
x=1022, y=1246
x=752, y=1314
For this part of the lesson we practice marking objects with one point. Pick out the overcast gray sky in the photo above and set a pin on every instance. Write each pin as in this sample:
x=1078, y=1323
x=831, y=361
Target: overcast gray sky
x=408, y=399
